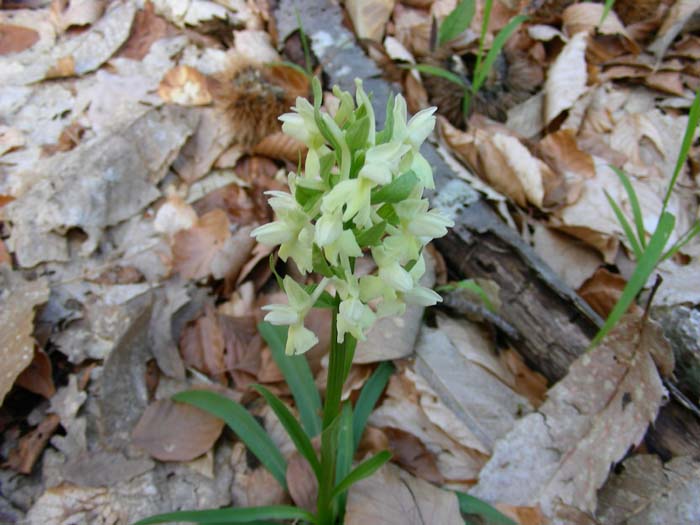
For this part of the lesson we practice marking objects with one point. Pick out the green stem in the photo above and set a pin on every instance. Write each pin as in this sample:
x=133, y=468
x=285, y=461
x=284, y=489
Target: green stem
x=338, y=369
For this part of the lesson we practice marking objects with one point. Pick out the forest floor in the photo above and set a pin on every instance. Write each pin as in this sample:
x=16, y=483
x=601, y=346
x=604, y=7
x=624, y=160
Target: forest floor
x=136, y=141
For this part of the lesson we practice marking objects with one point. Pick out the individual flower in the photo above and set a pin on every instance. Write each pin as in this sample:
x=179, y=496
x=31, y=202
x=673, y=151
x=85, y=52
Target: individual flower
x=301, y=124
x=355, y=318
x=299, y=339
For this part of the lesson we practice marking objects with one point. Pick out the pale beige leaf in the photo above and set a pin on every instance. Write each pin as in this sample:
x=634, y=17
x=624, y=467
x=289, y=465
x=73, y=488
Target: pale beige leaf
x=648, y=492
x=566, y=78
x=18, y=298
x=185, y=86
x=568, y=257
x=77, y=12
x=528, y=169
x=302, y=483
x=174, y=215
x=526, y=119
x=562, y=453
x=171, y=431
x=586, y=16
x=67, y=504
x=369, y=18
x=394, y=497
x=196, y=248
x=677, y=16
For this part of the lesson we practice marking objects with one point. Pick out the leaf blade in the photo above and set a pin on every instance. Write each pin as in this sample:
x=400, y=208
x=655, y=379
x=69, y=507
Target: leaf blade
x=502, y=37
x=457, y=21
x=368, y=398
x=230, y=515
x=362, y=471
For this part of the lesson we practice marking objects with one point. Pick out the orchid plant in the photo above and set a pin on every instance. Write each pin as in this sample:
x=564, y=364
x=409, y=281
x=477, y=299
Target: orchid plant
x=360, y=192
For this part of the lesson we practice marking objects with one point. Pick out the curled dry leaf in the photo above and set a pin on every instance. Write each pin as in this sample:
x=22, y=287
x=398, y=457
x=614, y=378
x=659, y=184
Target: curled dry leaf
x=31, y=445
x=147, y=29
x=37, y=377
x=585, y=16
x=186, y=86
x=647, y=492
x=280, y=146
x=18, y=298
x=393, y=497
x=369, y=18
x=562, y=153
x=562, y=453
x=194, y=249
x=566, y=78
x=676, y=18
x=602, y=291
x=171, y=431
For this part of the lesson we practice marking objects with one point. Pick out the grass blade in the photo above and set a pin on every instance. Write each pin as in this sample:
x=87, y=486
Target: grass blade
x=483, y=68
x=439, y=72
x=457, y=21
x=606, y=11
x=626, y=226
x=298, y=376
x=231, y=515
x=243, y=424
x=362, y=471
x=645, y=266
x=291, y=425
x=693, y=119
x=685, y=238
x=634, y=202
x=368, y=398
x=474, y=506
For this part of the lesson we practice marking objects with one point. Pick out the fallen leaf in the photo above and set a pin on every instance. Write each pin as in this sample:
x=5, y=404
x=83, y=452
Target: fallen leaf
x=202, y=344
x=676, y=18
x=302, y=483
x=369, y=18
x=648, y=492
x=68, y=13
x=586, y=16
x=413, y=29
x=242, y=348
x=174, y=215
x=171, y=431
x=146, y=29
x=14, y=38
x=37, y=377
x=566, y=78
x=10, y=138
x=194, y=249
x=570, y=258
x=18, y=298
x=562, y=453
x=602, y=291
x=5, y=257
x=68, y=503
x=186, y=86
x=254, y=484
x=411, y=454
x=280, y=146
x=562, y=153
x=394, y=497
x=31, y=445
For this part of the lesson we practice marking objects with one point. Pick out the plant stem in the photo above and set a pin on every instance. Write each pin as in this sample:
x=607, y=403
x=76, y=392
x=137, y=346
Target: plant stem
x=338, y=368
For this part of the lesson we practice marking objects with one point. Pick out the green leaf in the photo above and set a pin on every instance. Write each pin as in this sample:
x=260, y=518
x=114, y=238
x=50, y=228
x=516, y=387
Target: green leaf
x=356, y=136
x=645, y=266
x=319, y=262
x=362, y=471
x=307, y=197
x=326, y=162
x=385, y=135
x=243, y=424
x=368, y=398
x=296, y=372
x=634, y=203
x=482, y=70
x=457, y=21
x=231, y=515
x=279, y=280
x=291, y=425
x=388, y=213
x=474, y=506
x=693, y=119
x=397, y=190
x=606, y=11
x=304, y=44
x=346, y=451
x=439, y=72
x=626, y=226
x=371, y=236
x=684, y=239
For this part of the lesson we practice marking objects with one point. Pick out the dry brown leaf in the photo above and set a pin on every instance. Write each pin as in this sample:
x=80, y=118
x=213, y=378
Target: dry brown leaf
x=410, y=453
x=562, y=453
x=174, y=215
x=676, y=18
x=394, y=497
x=242, y=348
x=254, y=485
x=14, y=38
x=194, y=249
x=147, y=29
x=369, y=18
x=570, y=258
x=37, y=377
x=562, y=153
x=667, y=81
x=524, y=515
x=282, y=147
x=31, y=445
x=566, y=78
x=18, y=298
x=302, y=483
x=527, y=382
x=186, y=86
x=602, y=291
x=171, y=431
x=648, y=492
x=5, y=257
x=586, y=16
x=202, y=344
x=413, y=27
